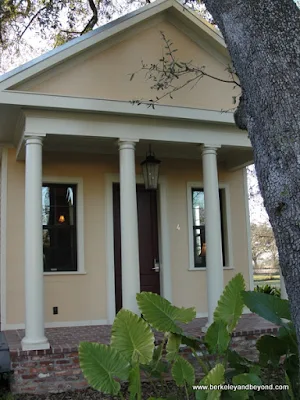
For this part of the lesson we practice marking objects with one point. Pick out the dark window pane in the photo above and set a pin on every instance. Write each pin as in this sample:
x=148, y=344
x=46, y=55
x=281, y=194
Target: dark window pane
x=198, y=209
x=59, y=223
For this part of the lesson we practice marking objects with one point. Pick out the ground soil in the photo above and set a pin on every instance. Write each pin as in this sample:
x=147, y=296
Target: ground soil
x=148, y=390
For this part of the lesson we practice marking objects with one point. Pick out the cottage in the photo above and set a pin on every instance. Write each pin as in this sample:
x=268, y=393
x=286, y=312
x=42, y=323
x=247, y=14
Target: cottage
x=80, y=232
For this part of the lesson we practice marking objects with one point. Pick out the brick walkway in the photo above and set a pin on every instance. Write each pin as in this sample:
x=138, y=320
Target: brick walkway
x=68, y=339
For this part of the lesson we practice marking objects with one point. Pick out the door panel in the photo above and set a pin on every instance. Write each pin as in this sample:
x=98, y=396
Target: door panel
x=148, y=241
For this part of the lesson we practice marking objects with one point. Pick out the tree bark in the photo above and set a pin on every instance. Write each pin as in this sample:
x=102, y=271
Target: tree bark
x=263, y=38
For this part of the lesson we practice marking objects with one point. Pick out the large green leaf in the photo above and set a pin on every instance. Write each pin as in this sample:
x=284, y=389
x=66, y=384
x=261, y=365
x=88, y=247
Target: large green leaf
x=268, y=307
x=132, y=337
x=217, y=337
x=246, y=379
x=161, y=314
x=290, y=338
x=172, y=347
x=230, y=305
x=271, y=348
x=183, y=372
x=100, y=364
x=238, y=362
x=214, y=377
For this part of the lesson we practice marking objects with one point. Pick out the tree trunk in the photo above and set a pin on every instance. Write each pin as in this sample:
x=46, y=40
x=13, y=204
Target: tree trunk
x=263, y=40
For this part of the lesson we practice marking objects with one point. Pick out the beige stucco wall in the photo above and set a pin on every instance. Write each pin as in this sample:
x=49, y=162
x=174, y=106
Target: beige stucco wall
x=83, y=297
x=106, y=74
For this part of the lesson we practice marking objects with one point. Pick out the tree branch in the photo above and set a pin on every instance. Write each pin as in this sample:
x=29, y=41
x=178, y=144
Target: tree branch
x=31, y=20
x=93, y=21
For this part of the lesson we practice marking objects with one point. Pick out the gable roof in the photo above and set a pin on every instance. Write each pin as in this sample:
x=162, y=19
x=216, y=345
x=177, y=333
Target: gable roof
x=76, y=46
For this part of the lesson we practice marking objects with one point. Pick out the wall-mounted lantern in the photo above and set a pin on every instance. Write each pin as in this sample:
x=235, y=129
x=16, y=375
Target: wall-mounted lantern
x=150, y=167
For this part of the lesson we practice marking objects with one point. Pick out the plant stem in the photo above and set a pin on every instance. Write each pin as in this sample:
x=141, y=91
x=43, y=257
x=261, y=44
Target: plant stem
x=202, y=363
x=121, y=396
x=186, y=391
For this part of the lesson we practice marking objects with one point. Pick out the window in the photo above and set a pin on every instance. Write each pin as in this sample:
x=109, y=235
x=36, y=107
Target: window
x=198, y=227
x=59, y=227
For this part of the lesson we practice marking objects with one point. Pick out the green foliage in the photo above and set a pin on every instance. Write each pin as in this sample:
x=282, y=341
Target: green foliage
x=132, y=349
x=183, y=372
x=272, y=290
x=230, y=306
x=214, y=377
x=268, y=307
x=172, y=347
x=161, y=314
x=132, y=337
x=101, y=364
x=217, y=337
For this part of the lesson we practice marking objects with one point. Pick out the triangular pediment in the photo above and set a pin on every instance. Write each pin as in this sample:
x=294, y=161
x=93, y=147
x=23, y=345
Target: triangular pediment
x=102, y=70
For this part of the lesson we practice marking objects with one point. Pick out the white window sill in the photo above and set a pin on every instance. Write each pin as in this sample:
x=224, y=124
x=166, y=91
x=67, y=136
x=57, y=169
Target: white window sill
x=65, y=273
x=204, y=269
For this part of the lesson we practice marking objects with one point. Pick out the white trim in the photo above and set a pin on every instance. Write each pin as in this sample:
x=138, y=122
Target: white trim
x=164, y=248
x=65, y=273
x=110, y=262
x=164, y=241
x=62, y=324
x=69, y=103
x=248, y=229
x=227, y=227
x=202, y=315
x=3, y=227
x=118, y=126
x=79, y=220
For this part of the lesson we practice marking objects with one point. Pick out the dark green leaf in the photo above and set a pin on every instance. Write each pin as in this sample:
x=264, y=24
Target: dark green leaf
x=271, y=348
x=268, y=307
x=246, y=379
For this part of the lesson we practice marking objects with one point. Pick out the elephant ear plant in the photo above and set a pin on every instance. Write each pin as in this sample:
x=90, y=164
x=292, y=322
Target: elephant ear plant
x=132, y=353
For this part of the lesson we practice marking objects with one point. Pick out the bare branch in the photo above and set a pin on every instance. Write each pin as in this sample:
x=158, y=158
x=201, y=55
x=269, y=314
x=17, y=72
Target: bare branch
x=93, y=21
x=31, y=21
x=170, y=69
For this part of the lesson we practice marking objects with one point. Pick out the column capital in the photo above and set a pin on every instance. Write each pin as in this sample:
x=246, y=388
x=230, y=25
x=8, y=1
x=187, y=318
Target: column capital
x=127, y=143
x=32, y=139
x=209, y=148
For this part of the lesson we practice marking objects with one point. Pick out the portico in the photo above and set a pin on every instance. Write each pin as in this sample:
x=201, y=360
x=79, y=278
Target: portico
x=126, y=148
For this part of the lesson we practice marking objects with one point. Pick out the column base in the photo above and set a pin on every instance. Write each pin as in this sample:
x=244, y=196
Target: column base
x=205, y=327
x=40, y=344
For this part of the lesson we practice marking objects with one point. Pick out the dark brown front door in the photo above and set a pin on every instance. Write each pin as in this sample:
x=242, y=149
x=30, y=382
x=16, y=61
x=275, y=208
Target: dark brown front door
x=148, y=241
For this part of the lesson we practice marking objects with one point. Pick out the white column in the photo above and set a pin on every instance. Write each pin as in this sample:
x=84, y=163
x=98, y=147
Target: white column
x=34, y=289
x=129, y=226
x=214, y=262
x=282, y=287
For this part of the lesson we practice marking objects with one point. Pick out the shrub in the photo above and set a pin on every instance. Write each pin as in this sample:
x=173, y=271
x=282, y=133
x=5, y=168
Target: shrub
x=273, y=290
x=132, y=349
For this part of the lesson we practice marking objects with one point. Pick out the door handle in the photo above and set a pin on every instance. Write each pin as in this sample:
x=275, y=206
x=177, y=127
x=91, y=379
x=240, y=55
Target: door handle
x=156, y=267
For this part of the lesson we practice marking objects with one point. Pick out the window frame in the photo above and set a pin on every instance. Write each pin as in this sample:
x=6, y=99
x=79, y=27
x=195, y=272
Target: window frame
x=226, y=221
x=63, y=180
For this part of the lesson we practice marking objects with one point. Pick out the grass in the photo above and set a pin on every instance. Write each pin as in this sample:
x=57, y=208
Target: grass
x=258, y=278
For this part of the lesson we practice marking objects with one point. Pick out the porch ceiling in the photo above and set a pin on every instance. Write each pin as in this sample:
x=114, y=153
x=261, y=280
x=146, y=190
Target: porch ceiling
x=228, y=156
